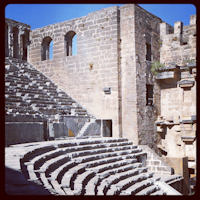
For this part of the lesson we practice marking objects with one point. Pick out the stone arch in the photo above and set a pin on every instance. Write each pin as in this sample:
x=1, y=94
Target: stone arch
x=70, y=44
x=45, y=48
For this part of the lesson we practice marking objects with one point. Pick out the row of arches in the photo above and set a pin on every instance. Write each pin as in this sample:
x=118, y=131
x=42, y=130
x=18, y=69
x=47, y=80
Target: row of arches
x=70, y=45
x=16, y=41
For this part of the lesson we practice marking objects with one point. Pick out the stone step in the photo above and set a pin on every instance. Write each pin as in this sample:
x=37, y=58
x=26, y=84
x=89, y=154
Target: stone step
x=158, y=192
x=18, y=79
x=60, y=172
x=70, y=176
x=45, y=182
x=19, y=109
x=30, y=91
x=81, y=155
x=78, y=151
x=148, y=190
x=16, y=105
x=114, y=174
x=61, y=99
x=66, y=103
x=31, y=117
x=128, y=181
x=97, y=185
x=116, y=181
x=52, y=148
x=104, y=171
x=138, y=187
x=43, y=149
x=57, y=187
x=40, y=102
x=105, y=168
x=13, y=99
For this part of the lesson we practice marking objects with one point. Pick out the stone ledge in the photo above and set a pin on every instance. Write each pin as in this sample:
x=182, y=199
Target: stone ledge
x=189, y=121
x=165, y=75
x=186, y=83
x=188, y=138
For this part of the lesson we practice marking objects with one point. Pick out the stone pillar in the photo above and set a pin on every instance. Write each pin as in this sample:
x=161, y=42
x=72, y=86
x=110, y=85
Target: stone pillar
x=163, y=28
x=178, y=30
x=16, y=42
x=6, y=41
x=10, y=41
x=20, y=41
x=192, y=19
x=28, y=42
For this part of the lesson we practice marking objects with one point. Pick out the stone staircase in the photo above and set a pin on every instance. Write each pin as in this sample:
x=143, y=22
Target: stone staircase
x=30, y=94
x=93, y=166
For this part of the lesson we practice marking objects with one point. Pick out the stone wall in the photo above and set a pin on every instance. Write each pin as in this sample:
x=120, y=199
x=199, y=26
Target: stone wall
x=95, y=67
x=22, y=132
x=178, y=42
x=146, y=33
x=176, y=123
x=111, y=54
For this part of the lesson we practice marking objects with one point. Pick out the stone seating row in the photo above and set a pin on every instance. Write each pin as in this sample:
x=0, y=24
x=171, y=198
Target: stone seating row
x=38, y=93
x=91, y=167
x=73, y=143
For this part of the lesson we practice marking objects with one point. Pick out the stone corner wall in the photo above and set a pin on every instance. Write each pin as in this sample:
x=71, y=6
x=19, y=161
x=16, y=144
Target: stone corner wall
x=147, y=34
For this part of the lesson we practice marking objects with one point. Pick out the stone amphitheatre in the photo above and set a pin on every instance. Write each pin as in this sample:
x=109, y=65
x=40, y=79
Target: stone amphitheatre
x=118, y=118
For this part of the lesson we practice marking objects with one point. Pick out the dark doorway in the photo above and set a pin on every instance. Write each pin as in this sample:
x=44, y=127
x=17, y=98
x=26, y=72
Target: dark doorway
x=107, y=128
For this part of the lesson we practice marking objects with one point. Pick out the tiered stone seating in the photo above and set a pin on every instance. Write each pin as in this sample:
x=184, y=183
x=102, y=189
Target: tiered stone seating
x=29, y=92
x=98, y=166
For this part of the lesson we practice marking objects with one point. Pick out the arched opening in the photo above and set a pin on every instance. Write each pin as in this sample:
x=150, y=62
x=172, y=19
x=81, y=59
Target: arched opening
x=47, y=49
x=15, y=42
x=70, y=43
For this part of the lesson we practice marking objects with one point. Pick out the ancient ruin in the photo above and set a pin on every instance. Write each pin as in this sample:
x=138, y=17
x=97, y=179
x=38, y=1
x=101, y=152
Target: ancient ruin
x=117, y=118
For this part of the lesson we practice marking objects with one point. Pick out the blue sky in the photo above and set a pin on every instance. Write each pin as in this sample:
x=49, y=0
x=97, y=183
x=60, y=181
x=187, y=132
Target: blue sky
x=38, y=15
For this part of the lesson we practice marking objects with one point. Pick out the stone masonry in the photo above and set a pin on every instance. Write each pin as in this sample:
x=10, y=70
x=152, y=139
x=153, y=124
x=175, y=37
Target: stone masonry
x=176, y=123
x=111, y=77
x=95, y=66
x=106, y=59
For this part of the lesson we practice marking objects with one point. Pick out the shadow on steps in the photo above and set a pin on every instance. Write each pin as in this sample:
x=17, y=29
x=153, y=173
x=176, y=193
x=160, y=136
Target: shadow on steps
x=16, y=184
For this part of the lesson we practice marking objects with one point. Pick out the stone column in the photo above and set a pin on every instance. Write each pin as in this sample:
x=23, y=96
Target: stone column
x=20, y=41
x=28, y=42
x=10, y=40
x=6, y=40
x=16, y=42
x=178, y=30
